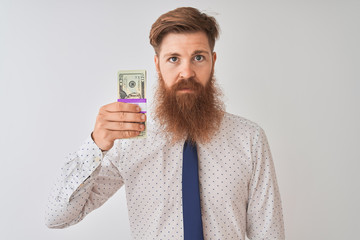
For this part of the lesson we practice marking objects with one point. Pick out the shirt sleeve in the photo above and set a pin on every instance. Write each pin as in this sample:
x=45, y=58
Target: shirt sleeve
x=87, y=180
x=264, y=210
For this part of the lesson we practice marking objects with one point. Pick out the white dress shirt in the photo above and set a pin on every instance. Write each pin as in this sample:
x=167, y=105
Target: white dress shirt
x=238, y=186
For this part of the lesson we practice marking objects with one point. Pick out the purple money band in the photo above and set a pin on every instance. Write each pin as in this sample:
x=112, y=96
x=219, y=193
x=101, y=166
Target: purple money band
x=133, y=100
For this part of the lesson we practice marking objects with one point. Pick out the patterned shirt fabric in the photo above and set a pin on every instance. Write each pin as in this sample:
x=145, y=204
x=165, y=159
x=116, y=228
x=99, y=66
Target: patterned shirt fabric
x=238, y=186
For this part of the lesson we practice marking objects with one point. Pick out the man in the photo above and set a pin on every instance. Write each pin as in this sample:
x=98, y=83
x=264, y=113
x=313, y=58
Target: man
x=237, y=191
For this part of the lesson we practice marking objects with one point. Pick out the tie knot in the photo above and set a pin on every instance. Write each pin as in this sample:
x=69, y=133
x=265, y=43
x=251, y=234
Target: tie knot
x=190, y=143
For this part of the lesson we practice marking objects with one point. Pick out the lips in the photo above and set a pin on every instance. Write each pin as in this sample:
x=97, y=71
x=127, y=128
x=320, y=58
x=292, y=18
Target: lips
x=186, y=90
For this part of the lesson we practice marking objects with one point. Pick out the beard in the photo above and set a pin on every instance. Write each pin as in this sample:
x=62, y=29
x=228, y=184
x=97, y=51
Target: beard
x=194, y=116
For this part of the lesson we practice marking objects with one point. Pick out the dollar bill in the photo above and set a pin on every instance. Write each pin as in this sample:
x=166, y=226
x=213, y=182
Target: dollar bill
x=132, y=86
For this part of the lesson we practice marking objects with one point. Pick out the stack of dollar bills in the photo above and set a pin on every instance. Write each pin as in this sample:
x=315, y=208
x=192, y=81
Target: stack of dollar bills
x=132, y=89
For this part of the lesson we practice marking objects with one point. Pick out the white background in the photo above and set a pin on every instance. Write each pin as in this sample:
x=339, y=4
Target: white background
x=290, y=66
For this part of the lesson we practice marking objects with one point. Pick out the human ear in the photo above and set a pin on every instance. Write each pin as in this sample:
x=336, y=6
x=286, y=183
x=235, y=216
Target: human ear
x=156, y=60
x=214, y=59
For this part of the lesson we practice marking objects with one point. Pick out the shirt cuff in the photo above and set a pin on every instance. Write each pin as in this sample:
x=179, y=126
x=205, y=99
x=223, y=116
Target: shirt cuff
x=82, y=166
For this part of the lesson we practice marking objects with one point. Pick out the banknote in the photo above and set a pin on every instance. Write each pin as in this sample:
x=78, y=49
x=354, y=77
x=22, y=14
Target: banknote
x=132, y=89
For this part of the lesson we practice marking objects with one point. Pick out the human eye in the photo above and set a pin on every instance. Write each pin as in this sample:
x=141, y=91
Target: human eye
x=199, y=58
x=173, y=59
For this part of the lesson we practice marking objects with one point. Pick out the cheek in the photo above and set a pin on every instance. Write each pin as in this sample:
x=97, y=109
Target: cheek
x=168, y=76
x=204, y=76
x=168, y=83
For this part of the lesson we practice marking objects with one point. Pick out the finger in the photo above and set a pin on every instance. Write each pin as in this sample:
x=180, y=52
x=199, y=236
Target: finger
x=122, y=126
x=124, y=134
x=124, y=117
x=120, y=107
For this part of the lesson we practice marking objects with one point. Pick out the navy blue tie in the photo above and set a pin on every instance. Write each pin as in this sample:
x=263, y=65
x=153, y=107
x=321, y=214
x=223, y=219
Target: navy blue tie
x=190, y=194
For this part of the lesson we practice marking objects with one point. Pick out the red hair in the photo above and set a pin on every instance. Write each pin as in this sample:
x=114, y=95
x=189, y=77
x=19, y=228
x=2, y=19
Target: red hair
x=183, y=20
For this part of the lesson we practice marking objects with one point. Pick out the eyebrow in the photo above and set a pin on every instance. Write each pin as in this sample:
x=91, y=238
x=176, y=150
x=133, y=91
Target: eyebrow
x=175, y=54
x=200, y=52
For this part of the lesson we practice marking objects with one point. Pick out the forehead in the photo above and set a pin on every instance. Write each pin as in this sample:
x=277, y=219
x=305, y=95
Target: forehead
x=184, y=42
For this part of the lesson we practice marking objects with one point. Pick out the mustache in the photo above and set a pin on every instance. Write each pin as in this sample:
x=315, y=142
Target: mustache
x=188, y=83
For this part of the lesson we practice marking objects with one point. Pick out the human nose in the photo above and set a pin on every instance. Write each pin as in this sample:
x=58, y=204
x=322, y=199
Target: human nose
x=186, y=71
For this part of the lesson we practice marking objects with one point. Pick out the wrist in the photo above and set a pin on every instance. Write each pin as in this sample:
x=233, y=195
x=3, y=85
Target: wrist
x=92, y=137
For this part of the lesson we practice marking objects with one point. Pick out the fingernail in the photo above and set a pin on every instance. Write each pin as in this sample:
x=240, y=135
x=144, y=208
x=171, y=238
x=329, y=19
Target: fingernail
x=143, y=117
x=138, y=109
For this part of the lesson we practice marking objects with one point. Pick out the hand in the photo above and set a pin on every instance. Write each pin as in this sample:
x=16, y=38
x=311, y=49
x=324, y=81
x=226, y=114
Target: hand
x=115, y=121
